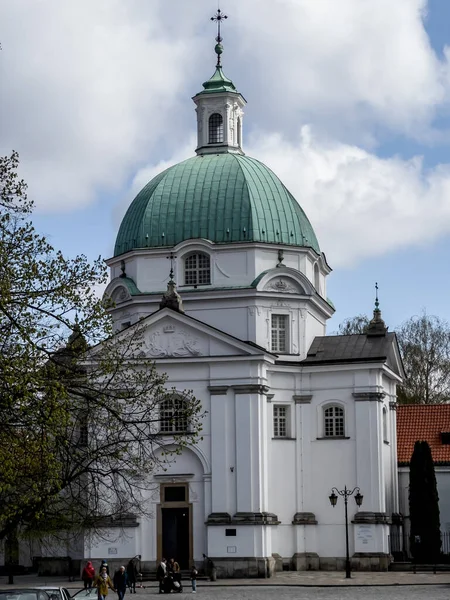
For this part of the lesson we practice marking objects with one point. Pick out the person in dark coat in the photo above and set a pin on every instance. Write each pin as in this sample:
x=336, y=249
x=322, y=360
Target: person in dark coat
x=120, y=582
x=161, y=574
x=132, y=574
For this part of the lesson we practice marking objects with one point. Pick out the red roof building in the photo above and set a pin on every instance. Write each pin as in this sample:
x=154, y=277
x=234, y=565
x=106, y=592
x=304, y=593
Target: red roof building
x=424, y=422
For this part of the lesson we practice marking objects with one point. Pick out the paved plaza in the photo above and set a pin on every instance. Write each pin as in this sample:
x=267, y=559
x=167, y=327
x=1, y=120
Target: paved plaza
x=312, y=585
x=439, y=592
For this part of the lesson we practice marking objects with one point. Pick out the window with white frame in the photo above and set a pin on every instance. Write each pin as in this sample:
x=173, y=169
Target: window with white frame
x=215, y=128
x=334, y=425
x=197, y=269
x=280, y=421
x=173, y=417
x=279, y=333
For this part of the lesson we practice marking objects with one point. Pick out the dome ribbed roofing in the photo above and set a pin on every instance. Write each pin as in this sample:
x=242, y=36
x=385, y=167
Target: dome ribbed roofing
x=223, y=198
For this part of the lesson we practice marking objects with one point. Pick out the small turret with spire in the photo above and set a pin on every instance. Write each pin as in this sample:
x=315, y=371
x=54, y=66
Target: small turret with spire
x=171, y=298
x=377, y=326
x=219, y=108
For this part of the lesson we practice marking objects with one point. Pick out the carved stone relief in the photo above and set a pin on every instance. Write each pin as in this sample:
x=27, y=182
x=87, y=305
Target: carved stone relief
x=171, y=342
x=121, y=294
x=281, y=285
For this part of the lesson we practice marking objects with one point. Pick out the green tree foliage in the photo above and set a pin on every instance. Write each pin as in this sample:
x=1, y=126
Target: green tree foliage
x=79, y=407
x=424, y=506
x=424, y=343
x=354, y=325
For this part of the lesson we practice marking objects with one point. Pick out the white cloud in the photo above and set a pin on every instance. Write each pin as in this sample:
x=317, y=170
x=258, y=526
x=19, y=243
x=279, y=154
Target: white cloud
x=359, y=204
x=345, y=65
x=90, y=87
x=96, y=88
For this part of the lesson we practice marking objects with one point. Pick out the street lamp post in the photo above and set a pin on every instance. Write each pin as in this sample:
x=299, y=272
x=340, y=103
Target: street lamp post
x=345, y=493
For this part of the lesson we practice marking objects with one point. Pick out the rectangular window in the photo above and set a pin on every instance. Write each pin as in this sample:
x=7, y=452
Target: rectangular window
x=197, y=270
x=279, y=333
x=280, y=421
x=175, y=494
x=334, y=422
x=230, y=532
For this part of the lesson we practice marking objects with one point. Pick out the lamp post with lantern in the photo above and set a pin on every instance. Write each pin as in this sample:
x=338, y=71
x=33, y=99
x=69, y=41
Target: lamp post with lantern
x=346, y=493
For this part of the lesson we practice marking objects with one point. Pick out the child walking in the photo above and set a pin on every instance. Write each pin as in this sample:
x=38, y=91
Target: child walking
x=194, y=574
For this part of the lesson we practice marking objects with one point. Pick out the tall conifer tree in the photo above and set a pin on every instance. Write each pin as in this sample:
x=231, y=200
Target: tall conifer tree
x=424, y=506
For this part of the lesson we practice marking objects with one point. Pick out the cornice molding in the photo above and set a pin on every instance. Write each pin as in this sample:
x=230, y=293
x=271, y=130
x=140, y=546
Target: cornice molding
x=369, y=396
x=302, y=398
x=252, y=388
x=218, y=390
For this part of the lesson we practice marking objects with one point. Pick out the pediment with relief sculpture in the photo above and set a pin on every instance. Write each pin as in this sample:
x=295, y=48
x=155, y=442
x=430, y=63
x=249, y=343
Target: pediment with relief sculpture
x=284, y=285
x=172, y=334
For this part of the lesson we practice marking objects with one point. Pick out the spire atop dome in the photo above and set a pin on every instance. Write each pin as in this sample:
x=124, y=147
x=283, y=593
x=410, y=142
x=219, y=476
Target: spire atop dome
x=376, y=326
x=218, y=18
x=219, y=108
x=218, y=82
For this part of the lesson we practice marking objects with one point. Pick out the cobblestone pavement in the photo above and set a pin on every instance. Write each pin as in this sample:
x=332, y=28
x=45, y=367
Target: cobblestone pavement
x=436, y=592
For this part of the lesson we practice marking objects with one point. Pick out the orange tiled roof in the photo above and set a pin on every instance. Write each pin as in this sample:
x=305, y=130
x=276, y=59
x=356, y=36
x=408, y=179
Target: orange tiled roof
x=423, y=422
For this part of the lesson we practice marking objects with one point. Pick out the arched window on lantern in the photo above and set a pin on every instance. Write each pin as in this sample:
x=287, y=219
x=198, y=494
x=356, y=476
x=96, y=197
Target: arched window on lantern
x=215, y=128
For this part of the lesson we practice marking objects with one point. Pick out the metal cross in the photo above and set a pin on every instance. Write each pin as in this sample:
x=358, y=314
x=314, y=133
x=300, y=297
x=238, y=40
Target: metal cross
x=172, y=257
x=218, y=18
x=377, y=304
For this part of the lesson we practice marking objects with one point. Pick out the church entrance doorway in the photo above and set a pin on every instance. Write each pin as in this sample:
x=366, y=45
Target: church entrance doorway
x=175, y=524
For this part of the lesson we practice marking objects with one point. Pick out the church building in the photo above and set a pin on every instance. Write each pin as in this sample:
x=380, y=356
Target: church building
x=290, y=413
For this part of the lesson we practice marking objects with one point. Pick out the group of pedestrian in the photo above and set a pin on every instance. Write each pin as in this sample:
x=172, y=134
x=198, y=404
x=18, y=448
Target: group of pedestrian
x=123, y=578
x=168, y=575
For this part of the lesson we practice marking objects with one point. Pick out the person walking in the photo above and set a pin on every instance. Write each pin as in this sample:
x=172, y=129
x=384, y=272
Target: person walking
x=161, y=574
x=132, y=574
x=102, y=583
x=120, y=580
x=88, y=575
x=194, y=574
x=104, y=564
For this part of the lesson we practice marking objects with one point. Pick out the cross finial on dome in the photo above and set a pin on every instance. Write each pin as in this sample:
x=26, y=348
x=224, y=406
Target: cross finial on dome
x=376, y=326
x=218, y=18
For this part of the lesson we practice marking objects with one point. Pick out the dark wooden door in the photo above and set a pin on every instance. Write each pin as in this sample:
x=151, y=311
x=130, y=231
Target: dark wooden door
x=175, y=535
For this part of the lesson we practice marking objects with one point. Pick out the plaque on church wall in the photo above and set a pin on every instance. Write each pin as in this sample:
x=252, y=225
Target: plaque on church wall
x=365, y=536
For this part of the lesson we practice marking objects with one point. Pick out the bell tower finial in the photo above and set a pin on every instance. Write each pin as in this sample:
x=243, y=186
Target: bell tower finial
x=218, y=18
x=376, y=326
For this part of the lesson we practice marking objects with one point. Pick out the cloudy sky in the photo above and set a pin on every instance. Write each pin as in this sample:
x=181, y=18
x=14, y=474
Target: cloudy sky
x=348, y=102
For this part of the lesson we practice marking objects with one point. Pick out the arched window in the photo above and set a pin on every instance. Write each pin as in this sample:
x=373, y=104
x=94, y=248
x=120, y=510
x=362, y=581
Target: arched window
x=197, y=269
x=215, y=128
x=333, y=421
x=173, y=417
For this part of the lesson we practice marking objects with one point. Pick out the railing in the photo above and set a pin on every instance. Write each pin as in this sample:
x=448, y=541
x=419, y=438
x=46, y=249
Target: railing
x=401, y=551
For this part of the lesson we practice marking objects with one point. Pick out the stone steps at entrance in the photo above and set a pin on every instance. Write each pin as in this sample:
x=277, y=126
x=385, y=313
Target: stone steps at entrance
x=185, y=576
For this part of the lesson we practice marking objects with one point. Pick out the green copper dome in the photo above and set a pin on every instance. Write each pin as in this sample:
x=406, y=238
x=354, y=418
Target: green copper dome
x=223, y=198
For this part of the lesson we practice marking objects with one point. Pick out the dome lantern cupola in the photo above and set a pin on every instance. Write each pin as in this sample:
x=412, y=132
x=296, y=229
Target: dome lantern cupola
x=219, y=109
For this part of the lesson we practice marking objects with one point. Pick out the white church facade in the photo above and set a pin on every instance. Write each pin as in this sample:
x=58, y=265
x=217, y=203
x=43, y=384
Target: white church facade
x=290, y=412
